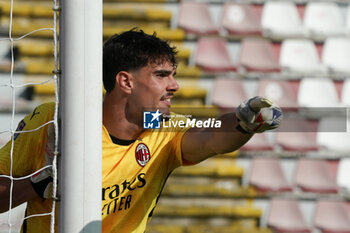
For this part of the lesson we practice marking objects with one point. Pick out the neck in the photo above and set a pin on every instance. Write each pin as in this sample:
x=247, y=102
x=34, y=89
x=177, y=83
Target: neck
x=118, y=121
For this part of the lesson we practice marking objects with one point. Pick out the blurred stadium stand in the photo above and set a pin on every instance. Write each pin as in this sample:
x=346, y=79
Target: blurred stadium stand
x=294, y=52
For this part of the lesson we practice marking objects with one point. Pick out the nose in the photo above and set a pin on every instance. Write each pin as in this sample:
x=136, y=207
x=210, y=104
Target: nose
x=173, y=85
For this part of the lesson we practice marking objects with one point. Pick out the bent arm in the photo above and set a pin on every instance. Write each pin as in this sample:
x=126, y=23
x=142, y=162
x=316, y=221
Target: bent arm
x=200, y=144
x=22, y=191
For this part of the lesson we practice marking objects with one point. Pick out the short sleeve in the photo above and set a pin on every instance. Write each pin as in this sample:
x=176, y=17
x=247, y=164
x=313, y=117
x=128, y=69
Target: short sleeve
x=28, y=147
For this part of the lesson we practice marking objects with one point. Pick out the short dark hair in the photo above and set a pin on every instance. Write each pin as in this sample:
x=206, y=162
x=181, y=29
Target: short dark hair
x=132, y=50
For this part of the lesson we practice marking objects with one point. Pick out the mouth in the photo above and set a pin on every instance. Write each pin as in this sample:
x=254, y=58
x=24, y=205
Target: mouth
x=166, y=99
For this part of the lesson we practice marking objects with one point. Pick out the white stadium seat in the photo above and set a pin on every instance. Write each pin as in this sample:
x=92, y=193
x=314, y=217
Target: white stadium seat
x=281, y=19
x=334, y=141
x=343, y=175
x=336, y=55
x=17, y=215
x=317, y=92
x=323, y=19
x=300, y=56
x=345, y=97
x=348, y=20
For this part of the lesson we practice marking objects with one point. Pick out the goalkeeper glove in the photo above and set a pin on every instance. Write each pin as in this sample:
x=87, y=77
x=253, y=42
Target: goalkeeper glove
x=42, y=181
x=257, y=115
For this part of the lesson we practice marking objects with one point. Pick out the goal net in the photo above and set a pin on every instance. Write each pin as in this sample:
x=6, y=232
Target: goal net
x=32, y=67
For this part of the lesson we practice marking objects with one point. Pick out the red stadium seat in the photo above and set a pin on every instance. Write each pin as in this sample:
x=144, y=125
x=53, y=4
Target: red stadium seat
x=282, y=92
x=258, y=55
x=213, y=56
x=266, y=175
x=195, y=18
x=298, y=135
x=241, y=19
x=316, y=175
x=332, y=216
x=259, y=142
x=228, y=93
x=285, y=216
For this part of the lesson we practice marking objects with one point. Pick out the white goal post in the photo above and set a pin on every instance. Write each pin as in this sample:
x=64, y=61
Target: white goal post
x=80, y=176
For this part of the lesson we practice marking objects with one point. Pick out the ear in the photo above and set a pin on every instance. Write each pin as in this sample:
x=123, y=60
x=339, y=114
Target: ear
x=125, y=81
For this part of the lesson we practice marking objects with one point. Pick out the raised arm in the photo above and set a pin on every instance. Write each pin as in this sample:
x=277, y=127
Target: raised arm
x=254, y=116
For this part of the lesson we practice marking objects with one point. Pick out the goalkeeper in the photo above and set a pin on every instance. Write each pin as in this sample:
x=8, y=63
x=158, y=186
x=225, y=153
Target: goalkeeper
x=138, y=73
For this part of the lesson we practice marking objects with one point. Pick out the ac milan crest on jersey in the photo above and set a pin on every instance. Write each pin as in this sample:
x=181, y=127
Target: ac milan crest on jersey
x=142, y=154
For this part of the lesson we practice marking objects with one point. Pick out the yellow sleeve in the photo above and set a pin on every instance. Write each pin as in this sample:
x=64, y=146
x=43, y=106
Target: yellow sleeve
x=28, y=147
x=176, y=147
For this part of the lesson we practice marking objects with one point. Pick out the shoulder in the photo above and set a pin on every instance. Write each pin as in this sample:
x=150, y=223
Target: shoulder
x=40, y=115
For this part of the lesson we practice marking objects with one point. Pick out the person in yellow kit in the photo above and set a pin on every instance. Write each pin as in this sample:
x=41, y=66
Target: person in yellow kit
x=139, y=152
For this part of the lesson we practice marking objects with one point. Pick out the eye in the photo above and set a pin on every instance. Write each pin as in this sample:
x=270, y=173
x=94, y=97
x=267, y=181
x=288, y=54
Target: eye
x=162, y=75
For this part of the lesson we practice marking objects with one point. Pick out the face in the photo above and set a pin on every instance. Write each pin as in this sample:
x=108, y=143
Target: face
x=153, y=87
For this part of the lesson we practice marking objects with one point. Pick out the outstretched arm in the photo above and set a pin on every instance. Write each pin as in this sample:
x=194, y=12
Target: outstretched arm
x=254, y=116
x=22, y=191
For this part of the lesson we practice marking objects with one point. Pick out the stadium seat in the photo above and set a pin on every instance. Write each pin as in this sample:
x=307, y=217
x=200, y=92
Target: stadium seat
x=228, y=93
x=241, y=19
x=230, y=229
x=299, y=56
x=348, y=20
x=175, y=34
x=315, y=175
x=297, y=135
x=317, y=92
x=17, y=215
x=42, y=10
x=334, y=134
x=336, y=55
x=35, y=47
x=258, y=55
x=139, y=12
x=206, y=186
x=345, y=93
x=189, y=209
x=343, y=175
x=332, y=216
x=214, y=167
x=259, y=142
x=183, y=70
x=266, y=175
x=23, y=26
x=281, y=92
x=195, y=18
x=213, y=56
x=285, y=216
x=323, y=19
x=280, y=19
